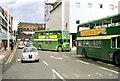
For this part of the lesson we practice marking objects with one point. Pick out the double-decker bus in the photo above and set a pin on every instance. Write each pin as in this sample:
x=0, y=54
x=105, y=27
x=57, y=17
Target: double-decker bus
x=52, y=40
x=101, y=40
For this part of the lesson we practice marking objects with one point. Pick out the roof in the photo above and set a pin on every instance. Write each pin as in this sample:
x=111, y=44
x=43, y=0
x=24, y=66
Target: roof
x=106, y=20
x=97, y=37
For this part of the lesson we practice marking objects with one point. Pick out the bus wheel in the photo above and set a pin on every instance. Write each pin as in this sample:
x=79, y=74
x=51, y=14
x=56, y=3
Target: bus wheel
x=59, y=49
x=40, y=48
x=117, y=59
x=84, y=54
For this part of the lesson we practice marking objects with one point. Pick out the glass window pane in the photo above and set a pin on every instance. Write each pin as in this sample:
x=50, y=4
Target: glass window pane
x=118, y=42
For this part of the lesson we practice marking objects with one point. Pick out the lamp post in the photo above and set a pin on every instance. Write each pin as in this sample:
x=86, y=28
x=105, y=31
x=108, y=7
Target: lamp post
x=113, y=8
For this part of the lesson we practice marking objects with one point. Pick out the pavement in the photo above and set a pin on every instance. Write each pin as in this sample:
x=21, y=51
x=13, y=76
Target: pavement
x=74, y=48
x=4, y=54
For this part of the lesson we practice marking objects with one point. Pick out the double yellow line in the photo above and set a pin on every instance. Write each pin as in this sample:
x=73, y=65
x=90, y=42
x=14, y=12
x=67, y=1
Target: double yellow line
x=11, y=56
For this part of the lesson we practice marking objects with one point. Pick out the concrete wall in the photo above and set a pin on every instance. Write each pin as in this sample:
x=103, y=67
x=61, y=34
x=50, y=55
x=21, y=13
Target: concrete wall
x=55, y=19
x=85, y=14
x=119, y=7
x=65, y=15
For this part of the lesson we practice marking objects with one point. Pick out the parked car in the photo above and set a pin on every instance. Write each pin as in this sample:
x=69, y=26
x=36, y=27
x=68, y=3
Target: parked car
x=30, y=44
x=30, y=54
x=21, y=45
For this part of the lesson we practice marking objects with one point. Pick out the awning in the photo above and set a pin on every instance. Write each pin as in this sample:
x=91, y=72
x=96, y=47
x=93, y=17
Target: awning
x=97, y=37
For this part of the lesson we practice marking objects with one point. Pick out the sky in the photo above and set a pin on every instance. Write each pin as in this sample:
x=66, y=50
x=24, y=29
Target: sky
x=31, y=11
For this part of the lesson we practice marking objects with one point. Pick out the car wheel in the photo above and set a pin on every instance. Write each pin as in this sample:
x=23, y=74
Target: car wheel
x=84, y=54
x=37, y=60
x=40, y=48
x=22, y=61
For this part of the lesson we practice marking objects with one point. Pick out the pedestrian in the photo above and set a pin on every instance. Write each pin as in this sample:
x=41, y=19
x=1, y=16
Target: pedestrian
x=12, y=45
x=5, y=45
x=2, y=45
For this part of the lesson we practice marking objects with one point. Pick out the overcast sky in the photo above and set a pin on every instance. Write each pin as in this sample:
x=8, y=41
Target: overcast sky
x=31, y=11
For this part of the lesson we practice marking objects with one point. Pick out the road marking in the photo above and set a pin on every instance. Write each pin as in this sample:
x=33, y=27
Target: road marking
x=56, y=58
x=45, y=63
x=65, y=75
x=57, y=74
x=82, y=62
x=66, y=56
x=18, y=60
x=89, y=75
x=96, y=73
x=100, y=74
x=105, y=63
x=76, y=75
x=110, y=74
x=11, y=56
x=109, y=70
x=110, y=64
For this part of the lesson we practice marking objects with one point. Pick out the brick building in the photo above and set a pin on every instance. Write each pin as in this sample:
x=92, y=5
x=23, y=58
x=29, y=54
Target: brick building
x=26, y=30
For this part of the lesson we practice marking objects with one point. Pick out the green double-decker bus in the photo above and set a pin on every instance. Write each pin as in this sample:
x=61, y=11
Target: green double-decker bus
x=101, y=40
x=52, y=40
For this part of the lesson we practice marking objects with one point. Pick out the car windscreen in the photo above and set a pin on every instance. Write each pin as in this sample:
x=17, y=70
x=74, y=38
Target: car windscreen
x=29, y=50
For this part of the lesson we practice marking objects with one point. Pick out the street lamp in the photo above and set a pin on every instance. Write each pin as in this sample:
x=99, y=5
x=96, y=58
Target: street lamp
x=112, y=8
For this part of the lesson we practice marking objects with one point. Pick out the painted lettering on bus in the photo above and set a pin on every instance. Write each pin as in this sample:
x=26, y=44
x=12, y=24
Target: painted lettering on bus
x=92, y=32
x=53, y=36
x=41, y=37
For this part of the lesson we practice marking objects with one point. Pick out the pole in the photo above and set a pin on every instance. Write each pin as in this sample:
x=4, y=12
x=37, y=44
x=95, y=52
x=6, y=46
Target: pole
x=8, y=35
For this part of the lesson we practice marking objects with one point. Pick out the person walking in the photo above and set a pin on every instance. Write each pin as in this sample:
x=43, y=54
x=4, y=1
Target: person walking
x=12, y=45
x=5, y=45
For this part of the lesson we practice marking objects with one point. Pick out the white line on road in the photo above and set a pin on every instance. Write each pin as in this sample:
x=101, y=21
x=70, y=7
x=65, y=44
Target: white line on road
x=82, y=62
x=56, y=73
x=56, y=58
x=109, y=70
x=45, y=63
x=66, y=56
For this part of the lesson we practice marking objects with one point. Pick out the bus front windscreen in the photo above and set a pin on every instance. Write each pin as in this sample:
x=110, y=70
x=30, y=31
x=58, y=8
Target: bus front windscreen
x=66, y=40
x=66, y=34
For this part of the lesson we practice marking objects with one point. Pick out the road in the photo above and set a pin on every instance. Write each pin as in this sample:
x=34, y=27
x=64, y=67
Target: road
x=55, y=65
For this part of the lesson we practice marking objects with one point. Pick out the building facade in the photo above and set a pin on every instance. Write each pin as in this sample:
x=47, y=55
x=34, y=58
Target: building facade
x=68, y=14
x=5, y=22
x=26, y=30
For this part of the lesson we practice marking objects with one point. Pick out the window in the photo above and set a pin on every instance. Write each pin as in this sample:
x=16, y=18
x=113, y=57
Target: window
x=85, y=43
x=100, y=5
x=98, y=43
x=118, y=42
x=77, y=21
x=92, y=43
x=30, y=29
x=89, y=5
x=79, y=43
x=77, y=4
x=60, y=41
x=113, y=42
